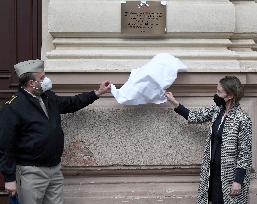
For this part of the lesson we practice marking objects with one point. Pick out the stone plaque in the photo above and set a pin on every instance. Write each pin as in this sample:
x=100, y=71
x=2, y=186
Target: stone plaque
x=141, y=18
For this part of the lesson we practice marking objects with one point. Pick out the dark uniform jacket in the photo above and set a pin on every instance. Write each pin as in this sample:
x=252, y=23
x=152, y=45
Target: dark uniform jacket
x=28, y=137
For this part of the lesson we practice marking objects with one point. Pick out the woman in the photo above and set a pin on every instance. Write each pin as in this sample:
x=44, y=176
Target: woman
x=226, y=166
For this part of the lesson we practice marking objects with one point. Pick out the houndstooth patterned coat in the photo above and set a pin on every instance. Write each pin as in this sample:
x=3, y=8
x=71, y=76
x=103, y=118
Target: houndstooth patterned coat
x=236, y=152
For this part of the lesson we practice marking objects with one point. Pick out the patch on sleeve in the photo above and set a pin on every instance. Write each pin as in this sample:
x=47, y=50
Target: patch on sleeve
x=11, y=100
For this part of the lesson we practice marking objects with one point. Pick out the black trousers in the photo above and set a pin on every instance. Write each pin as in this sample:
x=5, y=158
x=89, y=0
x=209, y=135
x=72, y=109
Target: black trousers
x=215, y=187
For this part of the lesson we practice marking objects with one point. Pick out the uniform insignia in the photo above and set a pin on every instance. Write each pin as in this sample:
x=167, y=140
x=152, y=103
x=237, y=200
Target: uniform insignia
x=11, y=100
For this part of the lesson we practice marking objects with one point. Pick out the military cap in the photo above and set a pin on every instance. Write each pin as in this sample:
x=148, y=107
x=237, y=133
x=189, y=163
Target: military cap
x=29, y=66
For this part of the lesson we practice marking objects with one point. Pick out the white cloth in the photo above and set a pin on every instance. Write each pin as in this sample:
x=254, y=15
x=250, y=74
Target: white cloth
x=148, y=83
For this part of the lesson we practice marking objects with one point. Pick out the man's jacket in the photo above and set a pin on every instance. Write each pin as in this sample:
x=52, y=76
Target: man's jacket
x=27, y=136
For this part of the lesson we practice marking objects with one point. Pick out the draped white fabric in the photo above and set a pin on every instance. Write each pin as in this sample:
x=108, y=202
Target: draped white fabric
x=147, y=84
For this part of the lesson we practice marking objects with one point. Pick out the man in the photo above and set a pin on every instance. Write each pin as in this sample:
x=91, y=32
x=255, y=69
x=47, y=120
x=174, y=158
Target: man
x=31, y=136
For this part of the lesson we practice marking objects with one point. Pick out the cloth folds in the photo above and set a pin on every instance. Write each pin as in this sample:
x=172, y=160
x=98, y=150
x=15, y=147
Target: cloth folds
x=148, y=83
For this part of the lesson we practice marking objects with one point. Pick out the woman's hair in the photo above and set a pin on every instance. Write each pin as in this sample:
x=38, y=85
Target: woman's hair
x=233, y=86
x=24, y=78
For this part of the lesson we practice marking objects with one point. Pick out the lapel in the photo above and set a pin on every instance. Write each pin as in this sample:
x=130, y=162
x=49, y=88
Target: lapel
x=216, y=113
x=34, y=101
x=45, y=100
x=230, y=118
x=232, y=113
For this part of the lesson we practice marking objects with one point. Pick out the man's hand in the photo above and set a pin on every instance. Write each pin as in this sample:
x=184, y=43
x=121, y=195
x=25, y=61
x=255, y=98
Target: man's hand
x=171, y=99
x=105, y=87
x=10, y=188
x=235, y=189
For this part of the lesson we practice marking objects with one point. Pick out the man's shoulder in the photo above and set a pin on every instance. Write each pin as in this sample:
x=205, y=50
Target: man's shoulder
x=50, y=93
x=9, y=105
x=15, y=100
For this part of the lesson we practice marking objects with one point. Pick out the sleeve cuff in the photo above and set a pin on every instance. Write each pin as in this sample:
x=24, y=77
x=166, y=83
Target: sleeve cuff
x=179, y=108
x=240, y=175
x=182, y=110
x=93, y=95
x=89, y=96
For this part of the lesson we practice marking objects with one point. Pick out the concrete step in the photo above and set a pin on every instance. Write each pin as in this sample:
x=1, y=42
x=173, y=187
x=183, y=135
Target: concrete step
x=132, y=189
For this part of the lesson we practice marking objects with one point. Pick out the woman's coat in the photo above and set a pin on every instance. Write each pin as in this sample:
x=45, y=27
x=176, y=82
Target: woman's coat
x=236, y=152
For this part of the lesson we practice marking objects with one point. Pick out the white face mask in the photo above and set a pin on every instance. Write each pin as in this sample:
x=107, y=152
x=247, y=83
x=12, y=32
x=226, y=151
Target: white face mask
x=46, y=84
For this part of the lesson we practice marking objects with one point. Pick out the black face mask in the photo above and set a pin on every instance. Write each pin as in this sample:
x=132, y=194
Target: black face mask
x=219, y=101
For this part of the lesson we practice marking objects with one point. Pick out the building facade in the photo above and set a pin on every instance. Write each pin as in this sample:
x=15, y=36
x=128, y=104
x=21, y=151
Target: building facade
x=144, y=154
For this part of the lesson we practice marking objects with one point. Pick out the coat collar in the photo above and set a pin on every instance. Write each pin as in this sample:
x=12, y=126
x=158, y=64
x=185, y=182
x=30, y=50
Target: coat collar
x=34, y=100
x=233, y=111
x=231, y=114
x=26, y=93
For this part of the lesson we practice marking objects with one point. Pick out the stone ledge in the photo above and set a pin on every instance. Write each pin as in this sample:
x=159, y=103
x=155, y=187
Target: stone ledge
x=123, y=55
x=184, y=79
x=150, y=189
x=136, y=189
x=131, y=171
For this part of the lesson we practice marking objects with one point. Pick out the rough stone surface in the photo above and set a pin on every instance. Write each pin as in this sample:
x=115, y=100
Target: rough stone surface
x=141, y=135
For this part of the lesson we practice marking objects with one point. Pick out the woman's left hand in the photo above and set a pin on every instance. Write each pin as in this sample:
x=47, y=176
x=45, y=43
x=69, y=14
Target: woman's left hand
x=235, y=189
